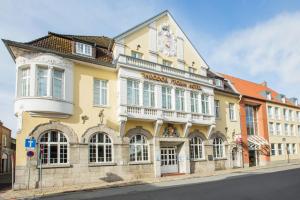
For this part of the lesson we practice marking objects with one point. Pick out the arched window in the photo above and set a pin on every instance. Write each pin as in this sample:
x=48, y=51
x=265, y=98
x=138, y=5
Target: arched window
x=100, y=148
x=196, y=148
x=53, y=147
x=218, y=148
x=138, y=149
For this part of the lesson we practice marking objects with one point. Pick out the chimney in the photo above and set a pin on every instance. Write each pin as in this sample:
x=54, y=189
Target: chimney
x=264, y=83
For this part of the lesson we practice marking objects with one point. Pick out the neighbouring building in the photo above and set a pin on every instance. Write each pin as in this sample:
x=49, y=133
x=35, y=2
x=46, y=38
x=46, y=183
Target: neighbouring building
x=141, y=104
x=270, y=123
x=6, y=150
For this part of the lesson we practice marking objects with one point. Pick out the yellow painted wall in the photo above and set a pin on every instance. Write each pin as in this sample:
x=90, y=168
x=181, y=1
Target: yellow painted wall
x=141, y=37
x=223, y=121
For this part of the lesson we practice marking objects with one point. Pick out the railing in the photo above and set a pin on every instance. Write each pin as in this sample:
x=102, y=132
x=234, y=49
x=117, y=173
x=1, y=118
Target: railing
x=136, y=62
x=139, y=112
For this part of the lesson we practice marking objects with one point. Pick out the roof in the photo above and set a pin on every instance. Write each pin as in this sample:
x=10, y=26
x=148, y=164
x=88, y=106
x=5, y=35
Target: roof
x=227, y=86
x=257, y=90
x=63, y=45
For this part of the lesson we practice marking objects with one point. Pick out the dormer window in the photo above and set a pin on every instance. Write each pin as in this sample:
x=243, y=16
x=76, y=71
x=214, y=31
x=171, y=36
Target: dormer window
x=283, y=99
x=83, y=49
x=269, y=96
x=218, y=82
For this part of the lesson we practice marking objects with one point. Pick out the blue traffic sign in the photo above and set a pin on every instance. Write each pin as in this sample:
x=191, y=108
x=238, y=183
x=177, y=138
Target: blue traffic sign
x=30, y=143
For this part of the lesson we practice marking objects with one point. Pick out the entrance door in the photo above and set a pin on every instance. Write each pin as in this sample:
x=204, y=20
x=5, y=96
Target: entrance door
x=169, y=162
x=235, y=159
x=252, y=158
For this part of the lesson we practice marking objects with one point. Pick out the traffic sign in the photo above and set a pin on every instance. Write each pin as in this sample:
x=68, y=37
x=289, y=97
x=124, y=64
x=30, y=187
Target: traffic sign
x=30, y=143
x=30, y=153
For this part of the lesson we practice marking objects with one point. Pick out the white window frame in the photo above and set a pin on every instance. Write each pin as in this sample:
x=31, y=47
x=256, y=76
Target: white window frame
x=166, y=97
x=194, y=102
x=273, y=149
x=197, y=148
x=217, y=109
x=167, y=63
x=136, y=54
x=134, y=146
x=107, y=146
x=84, y=49
x=280, y=150
x=278, y=129
x=218, y=148
x=48, y=143
x=58, y=79
x=205, y=104
x=46, y=68
x=277, y=113
x=148, y=91
x=179, y=100
x=24, y=80
x=271, y=128
x=135, y=92
x=232, y=116
x=270, y=112
x=218, y=82
x=102, y=90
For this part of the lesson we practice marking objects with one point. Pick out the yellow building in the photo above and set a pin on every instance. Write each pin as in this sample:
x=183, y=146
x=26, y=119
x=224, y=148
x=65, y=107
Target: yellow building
x=141, y=104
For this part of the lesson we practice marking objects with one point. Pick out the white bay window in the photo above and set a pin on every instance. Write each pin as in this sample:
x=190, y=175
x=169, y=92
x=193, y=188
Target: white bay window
x=25, y=82
x=42, y=81
x=57, y=83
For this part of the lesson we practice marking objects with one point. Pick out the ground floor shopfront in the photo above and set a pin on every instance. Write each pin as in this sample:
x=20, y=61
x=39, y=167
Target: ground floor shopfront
x=102, y=155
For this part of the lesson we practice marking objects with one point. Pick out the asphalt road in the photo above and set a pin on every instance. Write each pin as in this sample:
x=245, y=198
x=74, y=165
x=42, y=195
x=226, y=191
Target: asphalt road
x=282, y=185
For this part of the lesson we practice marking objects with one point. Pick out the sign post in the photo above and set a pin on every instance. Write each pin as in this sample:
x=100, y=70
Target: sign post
x=30, y=144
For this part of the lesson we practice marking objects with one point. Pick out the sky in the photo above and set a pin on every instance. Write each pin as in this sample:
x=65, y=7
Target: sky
x=257, y=40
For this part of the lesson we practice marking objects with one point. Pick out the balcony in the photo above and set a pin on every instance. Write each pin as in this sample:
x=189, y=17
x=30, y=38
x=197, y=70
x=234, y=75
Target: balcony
x=153, y=114
x=162, y=69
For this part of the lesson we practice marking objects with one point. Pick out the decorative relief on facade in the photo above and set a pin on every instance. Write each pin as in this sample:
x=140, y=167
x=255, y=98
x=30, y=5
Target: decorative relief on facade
x=167, y=42
x=42, y=58
x=170, y=131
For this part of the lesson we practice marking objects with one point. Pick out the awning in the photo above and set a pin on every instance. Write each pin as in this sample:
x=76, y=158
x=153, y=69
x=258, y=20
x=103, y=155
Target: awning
x=255, y=141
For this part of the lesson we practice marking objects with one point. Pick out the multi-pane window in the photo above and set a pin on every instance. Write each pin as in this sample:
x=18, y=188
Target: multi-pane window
x=231, y=112
x=280, y=150
x=196, y=148
x=273, y=150
x=270, y=112
x=25, y=82
x=179, y=97
x=286, y=115
x=148, y=95
x=194, y=102
x=132, y=92
x=251, y=120
x=217, y=108
x=57, y=83
x=292, y=129
x=100, y=148
x=166, y=97
x=53, y=147
x=271, y=128
x=277, y=113
x=286, y=129
x=167, y=63
x=218, y=82
x=84, y=49
x=218, y=148
x=278, y=128
x=294, y=150
x=138, y=149
x=136, y=54
x=42, y=79
x=291, y=115
x=100, y=92
x=205, y=103
x=288, y=148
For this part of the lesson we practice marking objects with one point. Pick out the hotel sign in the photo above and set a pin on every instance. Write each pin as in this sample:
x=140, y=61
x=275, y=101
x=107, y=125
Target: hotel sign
x=176, y=82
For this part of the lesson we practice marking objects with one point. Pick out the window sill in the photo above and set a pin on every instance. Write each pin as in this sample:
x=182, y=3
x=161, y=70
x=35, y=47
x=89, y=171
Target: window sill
x=140, y=163
x=54, y=166
x=198, y=160
x=101, y=106
x=216, y=159
x=101, y=164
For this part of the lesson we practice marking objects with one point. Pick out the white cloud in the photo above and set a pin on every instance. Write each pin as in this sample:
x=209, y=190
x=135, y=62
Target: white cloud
x=269, y=49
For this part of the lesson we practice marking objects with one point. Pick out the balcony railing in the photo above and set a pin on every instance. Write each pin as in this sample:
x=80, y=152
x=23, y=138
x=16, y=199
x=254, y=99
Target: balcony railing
x=135, y=62
x=138, y=112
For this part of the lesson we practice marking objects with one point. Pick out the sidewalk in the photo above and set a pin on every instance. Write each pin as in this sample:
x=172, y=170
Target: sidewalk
x=33, y=193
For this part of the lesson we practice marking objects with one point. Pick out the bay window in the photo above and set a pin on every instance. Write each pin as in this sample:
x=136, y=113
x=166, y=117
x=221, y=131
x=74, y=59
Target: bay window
x=148, y=95
x=166, y=97
x=132, y=92
x=42, y=81
x=57, y=83
x=100, y=92
x=179, y=97
x=25, y=82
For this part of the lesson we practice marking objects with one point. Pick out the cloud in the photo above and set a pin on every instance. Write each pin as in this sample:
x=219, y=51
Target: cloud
x=269, y=49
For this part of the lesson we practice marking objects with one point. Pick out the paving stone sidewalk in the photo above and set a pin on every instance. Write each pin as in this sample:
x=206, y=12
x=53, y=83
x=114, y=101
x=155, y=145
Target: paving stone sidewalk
x=35, y=193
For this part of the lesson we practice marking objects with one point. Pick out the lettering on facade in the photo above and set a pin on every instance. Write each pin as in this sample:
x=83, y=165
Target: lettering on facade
x=176, y=82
